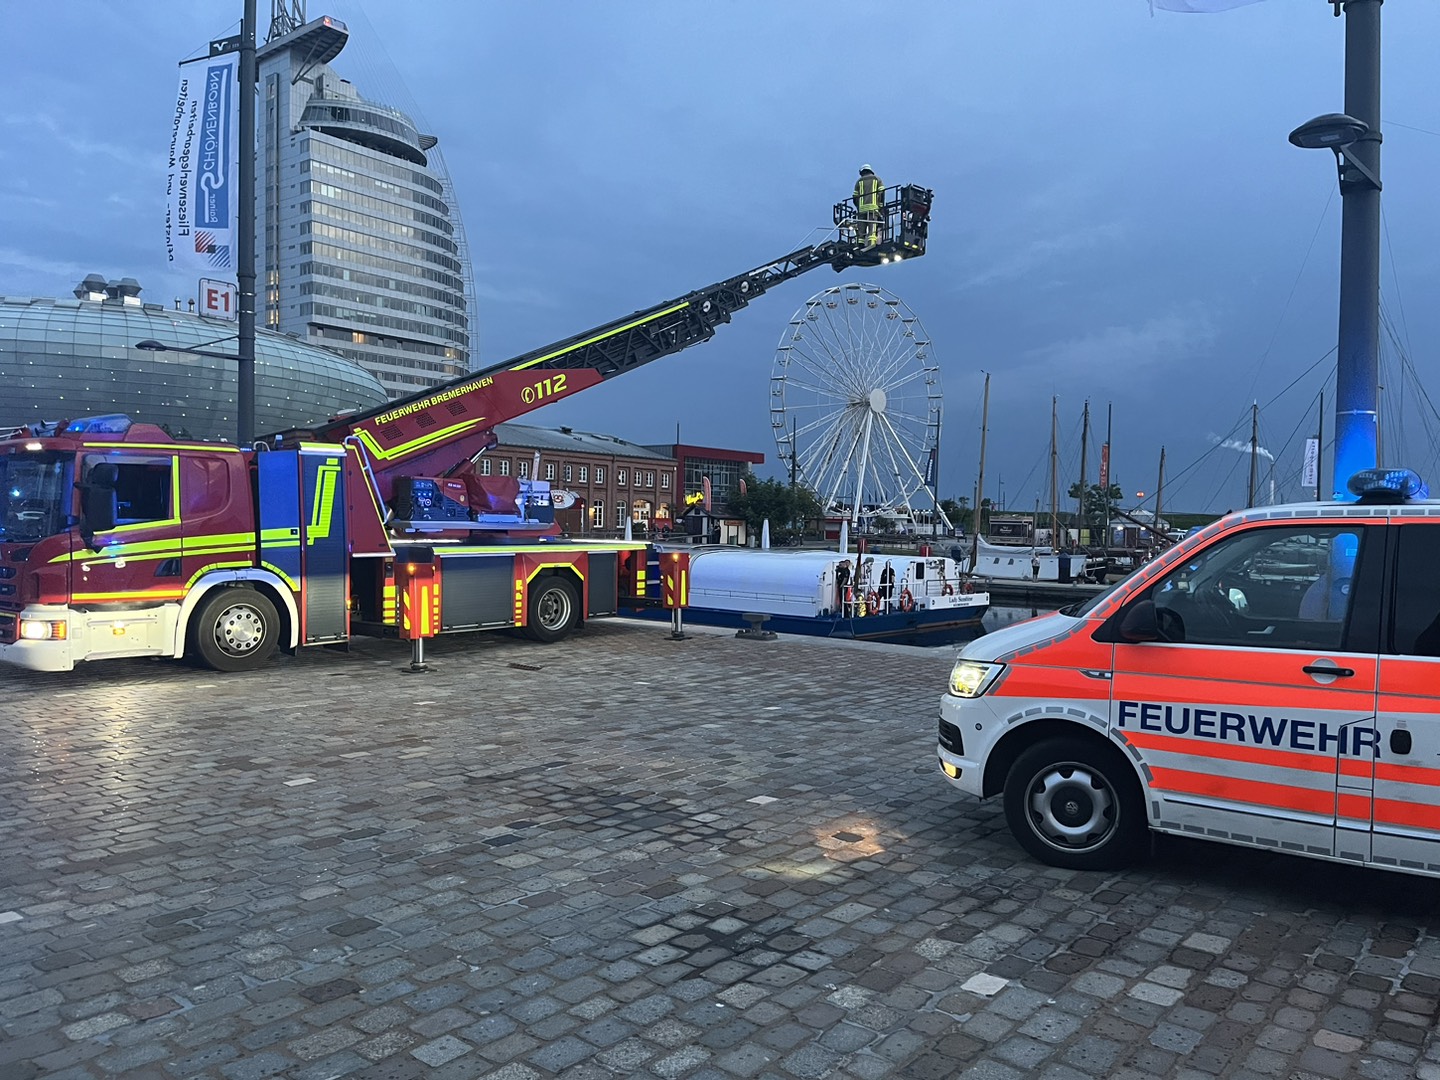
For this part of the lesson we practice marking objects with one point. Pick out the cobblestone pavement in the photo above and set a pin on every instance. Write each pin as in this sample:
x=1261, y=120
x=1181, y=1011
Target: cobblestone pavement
x=624, y=856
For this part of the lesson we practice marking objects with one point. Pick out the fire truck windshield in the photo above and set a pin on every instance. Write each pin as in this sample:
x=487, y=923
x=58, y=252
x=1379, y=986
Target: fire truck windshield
x=34, y=498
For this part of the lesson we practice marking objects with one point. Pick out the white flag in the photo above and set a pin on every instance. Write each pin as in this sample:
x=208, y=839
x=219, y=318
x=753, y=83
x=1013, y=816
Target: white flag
x=1310, y=473
x=1198, y=6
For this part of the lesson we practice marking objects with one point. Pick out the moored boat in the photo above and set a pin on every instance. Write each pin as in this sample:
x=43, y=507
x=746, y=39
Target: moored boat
x=828, y=594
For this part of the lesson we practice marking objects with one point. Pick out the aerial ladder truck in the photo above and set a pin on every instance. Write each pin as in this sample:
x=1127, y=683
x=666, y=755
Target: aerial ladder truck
x=117, y=541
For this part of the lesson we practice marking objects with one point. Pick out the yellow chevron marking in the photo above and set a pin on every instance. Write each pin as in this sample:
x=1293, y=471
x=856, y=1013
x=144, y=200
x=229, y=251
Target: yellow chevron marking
x=213, y=567
x=322, y=512
x=439, y=435
x=554, y=566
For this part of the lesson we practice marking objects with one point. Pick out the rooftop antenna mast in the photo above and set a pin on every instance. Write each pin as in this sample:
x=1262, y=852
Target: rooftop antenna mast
x=285, y=16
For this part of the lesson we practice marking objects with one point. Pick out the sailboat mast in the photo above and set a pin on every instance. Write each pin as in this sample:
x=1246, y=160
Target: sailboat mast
x=980, y=479
x=1084, y=453
x=1254, y=451
x=1054, y=477
x=1159, y=491
x=1106, y=465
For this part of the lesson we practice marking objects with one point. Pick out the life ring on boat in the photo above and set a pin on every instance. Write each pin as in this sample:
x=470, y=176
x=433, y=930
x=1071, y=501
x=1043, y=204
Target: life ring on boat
x=907, y=600
x=872, y=602
x=968, y=588
x=947, y=590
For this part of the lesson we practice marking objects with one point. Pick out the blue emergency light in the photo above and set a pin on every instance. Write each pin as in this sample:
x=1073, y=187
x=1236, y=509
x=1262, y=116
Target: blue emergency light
x=109, y=424
x=1387, y=486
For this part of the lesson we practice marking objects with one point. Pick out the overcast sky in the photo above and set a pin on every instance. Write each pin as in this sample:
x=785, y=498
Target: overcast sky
x=1117, y=215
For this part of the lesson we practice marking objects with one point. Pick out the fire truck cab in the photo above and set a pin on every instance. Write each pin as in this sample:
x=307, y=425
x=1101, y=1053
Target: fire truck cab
x=1272, y=681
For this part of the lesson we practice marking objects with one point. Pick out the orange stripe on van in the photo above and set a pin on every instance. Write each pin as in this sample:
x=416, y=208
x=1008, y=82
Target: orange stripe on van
x=1407, y=774
x=1265, y=686
x=1264, y=755
x=1406, y=677
x=1229, y=751
x=1355, y=807
x=1057, y=684
x=1416, y=815
x=1254, y=792
x=1357, y=768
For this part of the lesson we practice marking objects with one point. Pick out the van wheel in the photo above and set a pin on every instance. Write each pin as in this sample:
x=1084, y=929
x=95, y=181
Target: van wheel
x=1075, y=803
x=235, y=629
x=553, y=611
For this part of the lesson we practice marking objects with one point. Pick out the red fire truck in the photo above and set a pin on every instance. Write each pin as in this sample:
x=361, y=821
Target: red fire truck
x=116, y=541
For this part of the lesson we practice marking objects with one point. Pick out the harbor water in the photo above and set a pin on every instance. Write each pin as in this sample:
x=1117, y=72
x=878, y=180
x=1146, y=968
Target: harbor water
x=998, y=616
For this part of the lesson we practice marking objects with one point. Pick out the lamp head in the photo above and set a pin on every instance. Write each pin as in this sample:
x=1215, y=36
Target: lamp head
x=1329, y=132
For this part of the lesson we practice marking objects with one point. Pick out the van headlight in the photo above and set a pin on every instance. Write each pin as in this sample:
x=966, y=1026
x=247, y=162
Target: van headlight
x=970, y=678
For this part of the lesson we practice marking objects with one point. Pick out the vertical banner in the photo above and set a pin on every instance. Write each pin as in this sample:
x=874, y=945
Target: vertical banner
x=1310, y=474
x=202, y=199
x=930, y=463
x=705, y=488
x=1105, y=466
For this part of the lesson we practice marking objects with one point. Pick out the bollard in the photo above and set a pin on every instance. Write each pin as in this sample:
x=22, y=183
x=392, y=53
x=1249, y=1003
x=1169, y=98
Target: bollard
x=675, y=589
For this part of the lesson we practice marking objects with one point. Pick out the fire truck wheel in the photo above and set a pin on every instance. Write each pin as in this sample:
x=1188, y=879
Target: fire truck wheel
x=554, y=609
x=235, y=629
x=1075, y=803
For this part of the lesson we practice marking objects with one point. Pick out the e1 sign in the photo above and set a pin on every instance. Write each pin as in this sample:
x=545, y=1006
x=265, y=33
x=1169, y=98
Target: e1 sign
x=219, y=299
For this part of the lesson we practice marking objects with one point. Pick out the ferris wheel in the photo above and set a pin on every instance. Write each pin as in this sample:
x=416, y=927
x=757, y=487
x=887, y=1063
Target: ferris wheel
x=856, y=401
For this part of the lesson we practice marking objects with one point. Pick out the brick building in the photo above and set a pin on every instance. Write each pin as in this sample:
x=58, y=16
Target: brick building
x=723, y=468
x=612, y=480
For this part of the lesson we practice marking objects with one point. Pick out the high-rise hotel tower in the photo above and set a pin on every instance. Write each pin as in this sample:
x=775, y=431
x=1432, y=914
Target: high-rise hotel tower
x=358, y=242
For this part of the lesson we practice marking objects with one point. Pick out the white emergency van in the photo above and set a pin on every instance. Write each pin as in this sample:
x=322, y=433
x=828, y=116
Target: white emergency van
x=1272, y=681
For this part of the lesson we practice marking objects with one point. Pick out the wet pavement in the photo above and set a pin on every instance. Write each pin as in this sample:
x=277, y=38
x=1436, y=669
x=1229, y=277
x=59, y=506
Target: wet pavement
x=625, y=856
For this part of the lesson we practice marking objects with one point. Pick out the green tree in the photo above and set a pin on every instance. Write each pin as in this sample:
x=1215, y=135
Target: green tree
x=1099, y=501
x=773, y=500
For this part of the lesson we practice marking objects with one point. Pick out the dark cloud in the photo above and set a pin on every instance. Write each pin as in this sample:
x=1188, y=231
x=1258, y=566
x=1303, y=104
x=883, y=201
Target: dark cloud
x=1118, y=215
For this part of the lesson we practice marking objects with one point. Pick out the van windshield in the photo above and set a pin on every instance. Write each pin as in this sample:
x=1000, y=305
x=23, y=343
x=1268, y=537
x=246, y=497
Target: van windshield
x=1079, y=610
x=34, y=497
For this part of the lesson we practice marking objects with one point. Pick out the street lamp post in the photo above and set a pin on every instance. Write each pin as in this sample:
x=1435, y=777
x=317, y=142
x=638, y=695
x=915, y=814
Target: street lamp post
x=151, y=345
x=244, y=44
x=245, y=246
x=1355, y=137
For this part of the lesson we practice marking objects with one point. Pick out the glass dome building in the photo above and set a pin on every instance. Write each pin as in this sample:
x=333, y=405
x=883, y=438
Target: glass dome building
x=63, y=358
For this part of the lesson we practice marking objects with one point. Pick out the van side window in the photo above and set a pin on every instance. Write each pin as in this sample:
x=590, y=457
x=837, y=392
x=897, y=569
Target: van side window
x=1416, y=630
x=1277, y=588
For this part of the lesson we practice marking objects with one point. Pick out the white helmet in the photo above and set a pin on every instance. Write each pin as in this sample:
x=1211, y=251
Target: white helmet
x=866, y=168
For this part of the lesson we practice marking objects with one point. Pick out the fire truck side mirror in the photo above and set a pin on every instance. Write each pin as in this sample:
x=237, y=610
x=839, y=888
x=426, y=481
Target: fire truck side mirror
x=98, y=501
